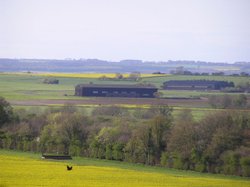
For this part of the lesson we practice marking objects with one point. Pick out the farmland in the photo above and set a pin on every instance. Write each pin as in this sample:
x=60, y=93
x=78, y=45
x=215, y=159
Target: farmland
x=25, y=86
x=27, y=169
x=49, y=118
x=27, y=89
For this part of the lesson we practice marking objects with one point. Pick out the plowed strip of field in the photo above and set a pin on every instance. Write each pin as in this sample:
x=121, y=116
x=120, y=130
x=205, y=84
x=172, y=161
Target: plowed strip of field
x=116, y=101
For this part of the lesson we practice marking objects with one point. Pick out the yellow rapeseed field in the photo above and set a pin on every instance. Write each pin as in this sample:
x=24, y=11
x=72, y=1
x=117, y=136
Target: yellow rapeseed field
x=91, y=75
x=21, y=171
x=84, y=75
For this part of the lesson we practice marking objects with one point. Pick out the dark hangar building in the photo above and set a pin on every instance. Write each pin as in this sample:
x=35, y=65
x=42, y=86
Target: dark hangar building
x=196, y=85
x=102, y=90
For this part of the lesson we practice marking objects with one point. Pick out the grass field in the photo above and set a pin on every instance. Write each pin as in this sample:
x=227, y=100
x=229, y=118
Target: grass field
x=28, y=87
x=23, y=86
x=26, y=169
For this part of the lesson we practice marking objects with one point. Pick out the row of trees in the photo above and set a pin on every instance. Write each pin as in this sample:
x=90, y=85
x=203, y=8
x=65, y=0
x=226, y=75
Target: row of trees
x=220, y=143
x=134, y=76
x=182, y=71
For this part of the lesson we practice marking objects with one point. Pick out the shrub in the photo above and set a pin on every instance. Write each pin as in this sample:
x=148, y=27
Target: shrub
x=200, y=167
x=231, y=162
x=164, y=159
x=51, y=81
x=245, y=166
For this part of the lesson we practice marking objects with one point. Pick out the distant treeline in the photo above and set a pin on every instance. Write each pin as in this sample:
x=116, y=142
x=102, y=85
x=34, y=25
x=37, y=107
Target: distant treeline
x=180, y=70
x=219, y=143
x=123, y=66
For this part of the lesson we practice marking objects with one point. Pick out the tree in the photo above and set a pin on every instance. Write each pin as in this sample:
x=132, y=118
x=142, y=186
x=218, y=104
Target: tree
x=48, y=141
x=213, y=101
x=140, y=146
x=134, y=151
x=179, y=70
x=226, y=101
x=182, y=143
x=185, y=116
x=159, y=130
x=245, y=165
x=244, y=74
x=135, y=76
x=231, y=161
x=65, y=133
x=147, y=144
x=68, y=108
x=218, y=73
x=244, y=86
x=119, y=76
x=159, y=125
x=118, y=151
x=103, y=77
x=218, y=133
x=50, y=81
x=6, y=112
x=162, y=110
x=158, y=94
x=73, y=132
x=241, y=101
x=110, y=111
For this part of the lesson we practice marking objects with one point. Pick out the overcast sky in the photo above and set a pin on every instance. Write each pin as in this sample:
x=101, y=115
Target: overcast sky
x=159, y=30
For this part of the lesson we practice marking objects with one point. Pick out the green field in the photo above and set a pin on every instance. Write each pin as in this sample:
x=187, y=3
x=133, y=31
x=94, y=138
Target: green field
x=27, y=169
x=30, y=86
x=25, y=86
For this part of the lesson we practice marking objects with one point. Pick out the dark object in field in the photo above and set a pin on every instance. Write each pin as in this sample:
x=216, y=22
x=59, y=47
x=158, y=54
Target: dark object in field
x=69, y=168
x=50, y=81
x=57, y=157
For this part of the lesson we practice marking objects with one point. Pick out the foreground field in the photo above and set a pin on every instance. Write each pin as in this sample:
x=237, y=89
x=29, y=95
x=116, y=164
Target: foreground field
x=23, y=169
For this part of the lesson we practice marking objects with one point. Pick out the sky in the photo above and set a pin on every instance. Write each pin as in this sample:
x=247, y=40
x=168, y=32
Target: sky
x=149, y=30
